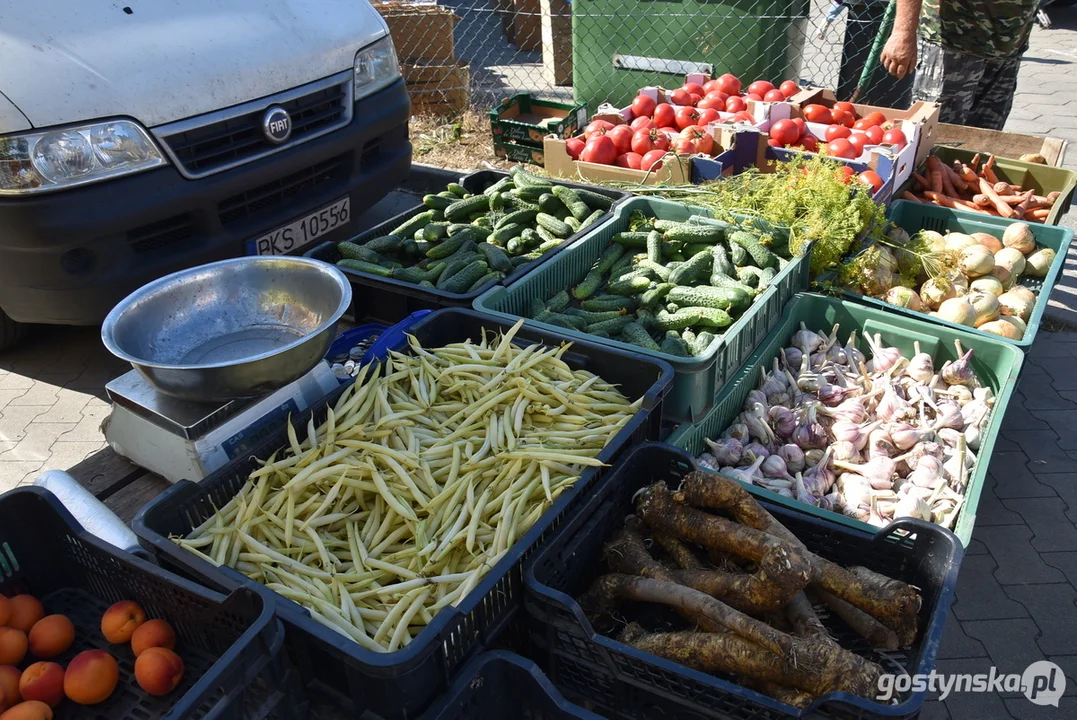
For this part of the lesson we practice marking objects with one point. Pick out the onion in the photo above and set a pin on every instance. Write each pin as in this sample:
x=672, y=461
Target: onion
x=1022, y=291
x=958, y=310
x=988, y=283
x=1012, y=260
x=989, y=241
x=986, y=306
x=899, y=236
x=1016, y=304
x=959, y=241
x=1016, y=322
x=904, y=297
x=936, y=291
x=976, y=260
x=934, y=240
x=1019, y=236
x=1038, y=264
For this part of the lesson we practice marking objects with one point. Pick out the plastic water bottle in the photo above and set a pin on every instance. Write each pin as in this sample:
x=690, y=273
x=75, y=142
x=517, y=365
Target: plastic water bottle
x=91, y=513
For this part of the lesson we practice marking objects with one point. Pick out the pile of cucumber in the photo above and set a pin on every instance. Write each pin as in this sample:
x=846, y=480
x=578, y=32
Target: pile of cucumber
x=666, y=286
x=464, y=241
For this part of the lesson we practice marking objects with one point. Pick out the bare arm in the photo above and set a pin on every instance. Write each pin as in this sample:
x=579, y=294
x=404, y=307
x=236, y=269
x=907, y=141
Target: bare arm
x=899, y=55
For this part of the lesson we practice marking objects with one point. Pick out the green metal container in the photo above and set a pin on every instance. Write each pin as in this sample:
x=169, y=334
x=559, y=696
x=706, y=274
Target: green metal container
x=997, y=365
x=913, y=217
x=619, y=46
x=698, y=379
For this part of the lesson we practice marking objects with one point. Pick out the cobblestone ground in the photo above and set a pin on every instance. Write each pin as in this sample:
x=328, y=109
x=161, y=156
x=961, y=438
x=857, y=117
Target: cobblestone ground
x=1016, y=594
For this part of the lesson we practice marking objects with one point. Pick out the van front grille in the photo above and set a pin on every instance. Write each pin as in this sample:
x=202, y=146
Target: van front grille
x=161, y=234
x=290, y=187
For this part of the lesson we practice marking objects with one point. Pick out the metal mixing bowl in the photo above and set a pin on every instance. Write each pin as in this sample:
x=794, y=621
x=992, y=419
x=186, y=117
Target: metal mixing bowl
x=232, y=329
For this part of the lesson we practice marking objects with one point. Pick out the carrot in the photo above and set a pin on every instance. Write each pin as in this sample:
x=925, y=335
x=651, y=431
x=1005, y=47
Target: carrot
x=947, y=184
x=1052, y=196
x=975, y=161
x=1021, y=208
x=921, y=181
x=955, y=178
x=1039, y=214
x=988, y=189
x=981, y=200
x=952, y=203
x=910, y=197
x=1004, y=188
x=988, y=173
x=969, y=175
x=934, y=177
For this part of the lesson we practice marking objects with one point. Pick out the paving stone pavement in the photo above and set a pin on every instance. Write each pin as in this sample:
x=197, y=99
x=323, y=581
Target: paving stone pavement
x=1015, y=599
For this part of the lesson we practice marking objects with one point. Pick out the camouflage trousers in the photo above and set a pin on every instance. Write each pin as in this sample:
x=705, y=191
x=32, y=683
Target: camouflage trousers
x=972, y=91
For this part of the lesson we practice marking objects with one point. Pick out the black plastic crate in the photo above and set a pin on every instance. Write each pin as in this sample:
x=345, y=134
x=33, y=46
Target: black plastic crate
x=387, y=300
x=402, y=684
x=230, y=646
x=501, y=685
x=589, y=666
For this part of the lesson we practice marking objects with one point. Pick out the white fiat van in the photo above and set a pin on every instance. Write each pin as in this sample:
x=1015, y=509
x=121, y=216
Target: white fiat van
x=140, y=137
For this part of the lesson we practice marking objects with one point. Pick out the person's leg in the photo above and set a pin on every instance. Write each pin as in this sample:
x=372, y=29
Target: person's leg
x=994, y=96
x=948, y=78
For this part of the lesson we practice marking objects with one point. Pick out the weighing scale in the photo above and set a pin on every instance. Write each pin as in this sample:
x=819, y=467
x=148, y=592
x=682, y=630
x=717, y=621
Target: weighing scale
x=182, y=440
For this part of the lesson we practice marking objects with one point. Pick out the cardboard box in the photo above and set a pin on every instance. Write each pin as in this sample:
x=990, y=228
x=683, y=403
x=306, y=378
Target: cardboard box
x=527, y=25
x=919, y=123
x=518, y=152
x=764, y=113
x=674, y=171
x=1003, y=144
x=437, y=89
x=420, y=31
x=749, y=148
x=557, y=42
x=527, y=119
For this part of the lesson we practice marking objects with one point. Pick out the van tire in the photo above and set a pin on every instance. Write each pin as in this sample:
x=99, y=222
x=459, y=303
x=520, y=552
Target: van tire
x=11, y=332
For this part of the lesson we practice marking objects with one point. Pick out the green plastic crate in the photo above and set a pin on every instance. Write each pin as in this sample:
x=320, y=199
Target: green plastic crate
x=913, y=217
x=698, y=379
x=997, y=365
x=1044, y=178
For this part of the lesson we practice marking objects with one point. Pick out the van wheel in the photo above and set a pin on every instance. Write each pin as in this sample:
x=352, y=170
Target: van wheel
x=11, y=332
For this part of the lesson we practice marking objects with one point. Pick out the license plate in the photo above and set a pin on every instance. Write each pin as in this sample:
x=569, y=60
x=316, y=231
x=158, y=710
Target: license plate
x=303, y=231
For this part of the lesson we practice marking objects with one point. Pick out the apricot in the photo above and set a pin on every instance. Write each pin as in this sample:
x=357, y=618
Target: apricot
x=9, y=683
x=30, y=710
x=43, y=681
x=51, y=636
x=158, y=670
x=153, y=633
x=12, y=646
x=121, y=620
x=25, y=611
x=91, y=677
x=5, y=609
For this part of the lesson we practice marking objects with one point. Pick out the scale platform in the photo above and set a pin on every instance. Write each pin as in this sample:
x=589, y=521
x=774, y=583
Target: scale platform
x=181, y=440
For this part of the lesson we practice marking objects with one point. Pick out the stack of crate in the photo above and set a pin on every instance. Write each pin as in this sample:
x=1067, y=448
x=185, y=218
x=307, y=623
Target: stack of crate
x=423, y=36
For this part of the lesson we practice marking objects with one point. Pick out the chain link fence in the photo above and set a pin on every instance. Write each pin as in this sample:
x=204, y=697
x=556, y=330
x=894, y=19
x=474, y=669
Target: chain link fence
x=605, y=50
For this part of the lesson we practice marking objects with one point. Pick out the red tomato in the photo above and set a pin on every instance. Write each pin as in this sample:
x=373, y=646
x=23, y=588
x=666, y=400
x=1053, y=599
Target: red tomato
x=641, y=142
x=686, y=116
x=785, y=132
x=774, y=96
x=717, y=95
x=629, y=160
x=694, y=89
x=744, y=116
x=643, y=106
x=895, y=137
x=661, y=139
x=664, y=115
x=642, y=123
x=846, y=106
x=846, y=174
x=874, y=135
x=754, y=96
x=597, y=127
x=711, y=86
x=789, y=88
x=714, y=101
x=729, y=84
x=842, y=117
x=841, y=148
x=875, y=118
x=774, y=143
x=818, y=114
x=599, y=149
x=684, y=146
x=735, y=104
x=801, y=125
x=670, y=130
x=696, y=99
x=859, y=141
x=652, y=160
x=870, y=177
x=699, y=136
x=680, y=96
x=810, y=143
x=707, y=116
x=861, y=124
x=760, y=88
x=574, y=146
x=833, y=132
x=622, y=138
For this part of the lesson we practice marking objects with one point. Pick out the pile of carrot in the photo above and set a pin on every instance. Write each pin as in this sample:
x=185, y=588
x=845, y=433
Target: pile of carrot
x=976, y=187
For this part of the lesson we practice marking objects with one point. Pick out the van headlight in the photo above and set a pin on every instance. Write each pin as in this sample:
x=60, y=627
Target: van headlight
x=53, y=159
x=376, y=67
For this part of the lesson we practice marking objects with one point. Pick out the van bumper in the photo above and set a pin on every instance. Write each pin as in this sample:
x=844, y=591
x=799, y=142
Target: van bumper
x=68, y=257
